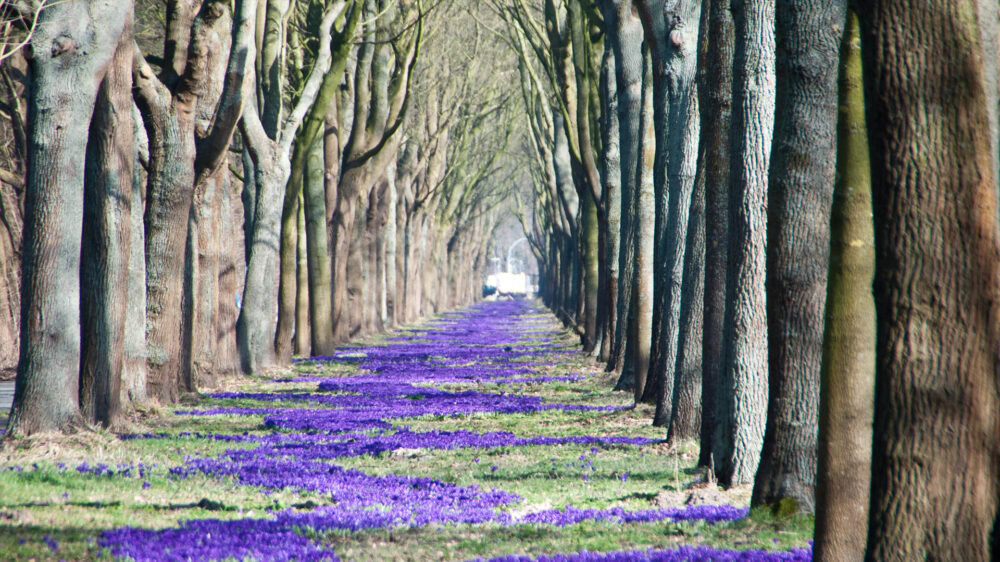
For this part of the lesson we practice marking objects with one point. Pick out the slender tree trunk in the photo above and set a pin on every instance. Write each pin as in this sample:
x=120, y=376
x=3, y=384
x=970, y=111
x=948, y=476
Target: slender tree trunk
x=73, y=46
x=10, y=274
x=591, y=274
x=391, y=223
x=715, y=100
x=847, y=393
x=106, y=240
x=743, y=410
x=628, y=69
x=934, y=489
x=645, y=218
x=612, y=196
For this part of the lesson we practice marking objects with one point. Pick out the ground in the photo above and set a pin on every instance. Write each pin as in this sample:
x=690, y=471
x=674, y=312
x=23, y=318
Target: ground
x=482, y=434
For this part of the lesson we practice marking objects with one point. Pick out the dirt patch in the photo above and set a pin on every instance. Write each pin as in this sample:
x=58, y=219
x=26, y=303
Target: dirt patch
x=702, y=493
x=8, y=374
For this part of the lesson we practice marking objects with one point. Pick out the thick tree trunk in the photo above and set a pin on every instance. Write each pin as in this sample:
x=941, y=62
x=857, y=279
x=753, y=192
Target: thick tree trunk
x=73, y=46
x=847, y=392
x=672, y=32
x=106, y=243
x=685, y=411
x=715, y=82
x=934, y=489
x=800, y=188
x=255, y=327
x=743, y=409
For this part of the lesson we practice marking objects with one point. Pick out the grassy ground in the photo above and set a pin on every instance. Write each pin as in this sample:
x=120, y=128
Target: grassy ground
x=50, y=510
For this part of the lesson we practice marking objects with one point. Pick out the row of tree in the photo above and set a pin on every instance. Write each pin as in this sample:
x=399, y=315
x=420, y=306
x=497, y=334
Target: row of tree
x=703, y=216
x=207, y=187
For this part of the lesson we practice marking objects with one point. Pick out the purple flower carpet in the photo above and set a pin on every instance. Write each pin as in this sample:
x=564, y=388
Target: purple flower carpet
x=415, y=376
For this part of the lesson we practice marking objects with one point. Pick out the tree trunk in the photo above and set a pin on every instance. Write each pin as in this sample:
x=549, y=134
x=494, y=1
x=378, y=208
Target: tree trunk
x=133, y=386
x=302, y=295
x=10, y=275
x=231, y=271
x=715, y=82
x=628, y=69
x=73, y=46
x=391, y=258
x=288, y=272
x=320, y=293
x=685, y=416
x=106, y=239
x=672, y=32
x=847, y=393
x=589, y=232
x=612, y=196
x=642, y=279
x=744, y=379
x=255, y=327
x=800, y=187
x=934, y=489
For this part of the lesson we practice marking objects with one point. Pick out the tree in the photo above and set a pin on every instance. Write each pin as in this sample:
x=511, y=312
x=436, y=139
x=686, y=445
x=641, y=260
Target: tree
x=73, y=47
x=629, y=70
x=848, y=374
x=800, y=189
x=107, y=239
x=715, y=101
x=934, y=489
x=741, y=414
x=671, y=32
x=269, y=144
x=184, y=155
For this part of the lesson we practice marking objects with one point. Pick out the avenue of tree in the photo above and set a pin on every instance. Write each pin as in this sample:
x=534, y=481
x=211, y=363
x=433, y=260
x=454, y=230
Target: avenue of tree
x=775, y=220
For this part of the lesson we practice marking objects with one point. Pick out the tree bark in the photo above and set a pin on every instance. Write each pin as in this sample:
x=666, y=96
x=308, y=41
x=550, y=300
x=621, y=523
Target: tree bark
x=934, y=489
x=672, y=35
x=642, y=280
x=628, y=70
x=847, y=392
x=314, y=192
x=715, y=82
x=612, y=185
x=744, y=378
x=685, y=417
x=186, y=149
x=800, y=188
x=106, y=239
x=303, y=337
x=73, y=46
x=133, y=387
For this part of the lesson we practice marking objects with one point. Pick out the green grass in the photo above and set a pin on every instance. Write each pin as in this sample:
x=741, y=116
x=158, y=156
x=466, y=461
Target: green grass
x=44, y=500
